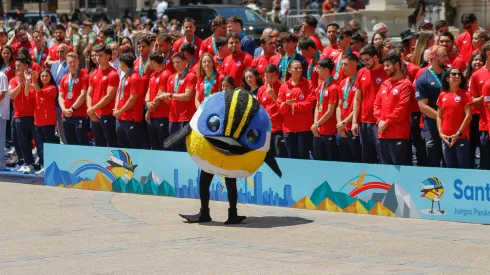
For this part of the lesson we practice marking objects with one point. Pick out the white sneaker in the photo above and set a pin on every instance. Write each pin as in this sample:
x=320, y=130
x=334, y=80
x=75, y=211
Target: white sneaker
x=28, y=169
x=11, y=151
x=22, y=168
x=40, y=172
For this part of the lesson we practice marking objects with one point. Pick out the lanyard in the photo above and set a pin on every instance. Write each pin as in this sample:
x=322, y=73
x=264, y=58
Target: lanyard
x=39, y=56
x=70, y=84
x=285, y=63
x=4, y=68
x=347, y=90
x=178, y=79
x=166, y=57
x=208, y=84
x=121, y=91
x=214, y=45
x=242, y=34
x=435, y=76
x=192, y=41
x=322, y=91
x=141, y=66
x=339, y=61
x=190, y=63
x=312, y=65
x=404, y=72
x=220, y=61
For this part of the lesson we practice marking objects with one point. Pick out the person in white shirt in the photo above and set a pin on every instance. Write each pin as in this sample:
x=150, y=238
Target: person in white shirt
x=161, y=8
x=4, y=114
x=115, y=58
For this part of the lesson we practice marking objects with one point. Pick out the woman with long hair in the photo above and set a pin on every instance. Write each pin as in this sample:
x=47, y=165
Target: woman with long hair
x=228, y=84
x=453, y=119
x=477, y=61
x=296, y=101
x=126, y=41
x=7, y=62
x=378, y=37
x=479, y=38
x=425, y=40
x=386, y=46
x=92, y=64
x=252, y=81
x=33, y=66
x=45, y=110
x=208, y=79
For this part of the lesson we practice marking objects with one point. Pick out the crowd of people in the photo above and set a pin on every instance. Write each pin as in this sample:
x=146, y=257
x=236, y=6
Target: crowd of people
x=356, y=100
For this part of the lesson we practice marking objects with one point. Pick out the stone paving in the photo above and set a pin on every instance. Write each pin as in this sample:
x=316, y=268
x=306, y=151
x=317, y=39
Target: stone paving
x=46, y=230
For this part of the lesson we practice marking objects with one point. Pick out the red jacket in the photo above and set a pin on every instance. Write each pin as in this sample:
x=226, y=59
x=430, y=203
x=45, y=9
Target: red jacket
x=45, y=109
x=392, y=106
x=298, y=117
x=271, y=106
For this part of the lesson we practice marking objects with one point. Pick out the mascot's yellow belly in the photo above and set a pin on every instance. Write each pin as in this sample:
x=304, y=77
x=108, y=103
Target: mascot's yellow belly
x=213, y=161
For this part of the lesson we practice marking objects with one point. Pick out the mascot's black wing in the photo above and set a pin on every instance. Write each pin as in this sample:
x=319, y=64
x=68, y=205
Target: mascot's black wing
x=271, y=161
x=175, y=137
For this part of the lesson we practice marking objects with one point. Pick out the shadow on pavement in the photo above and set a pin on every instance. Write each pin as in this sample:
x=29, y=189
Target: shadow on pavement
x=264, y=222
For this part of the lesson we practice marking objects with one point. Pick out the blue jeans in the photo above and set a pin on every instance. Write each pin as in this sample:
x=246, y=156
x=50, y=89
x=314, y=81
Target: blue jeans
x=129, y=134
x=157, y=132
x=394, y=151
x=104, y=131
x=325, y=148
x=3, y=135
x=298, y=144
x=368, y=134
x=76, y=129
x=349, y=148
x=457, y=156
x=173, y=127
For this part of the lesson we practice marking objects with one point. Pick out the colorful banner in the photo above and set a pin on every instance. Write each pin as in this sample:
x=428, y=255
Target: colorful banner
x=399, y=191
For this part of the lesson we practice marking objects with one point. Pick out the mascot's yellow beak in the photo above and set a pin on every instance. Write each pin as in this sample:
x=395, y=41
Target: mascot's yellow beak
x=227, y=145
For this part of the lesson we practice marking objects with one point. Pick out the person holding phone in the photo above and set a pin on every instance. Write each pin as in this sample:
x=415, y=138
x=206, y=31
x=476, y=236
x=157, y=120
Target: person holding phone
x=453, y=119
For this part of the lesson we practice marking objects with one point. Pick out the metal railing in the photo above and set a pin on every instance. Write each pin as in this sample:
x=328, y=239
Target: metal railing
x=340, y=18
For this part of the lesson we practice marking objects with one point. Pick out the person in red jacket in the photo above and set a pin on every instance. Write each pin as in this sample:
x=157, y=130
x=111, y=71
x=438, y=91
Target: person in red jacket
x=157, y=115
x=269, y=45
x=236, y=63
x=45, y=109
x=7, y=62
x=128, y=108
x=470, y=25
x=455, y=59
x=60, y=37
x=24, y=105
x=223, y=52
x=164, y=47
x=103, y=84
x=310, y=52
x=141, y=65
x=344, y=37
x=309, y=27
x=296, y=102
x=188, y=50
x=208, y=79
x=333, y=49
x=21, y=40
x=180, y=92
x=453, y=119
x=349, y=145
x=267, y=96
x=391, y=110
x=367, y=85
x=324, y=127
x=190, y=37
x=218, y=26
x=72, y=96
x=40, y=51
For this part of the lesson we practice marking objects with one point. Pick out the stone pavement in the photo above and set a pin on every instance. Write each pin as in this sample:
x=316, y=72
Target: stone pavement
x=46, y=230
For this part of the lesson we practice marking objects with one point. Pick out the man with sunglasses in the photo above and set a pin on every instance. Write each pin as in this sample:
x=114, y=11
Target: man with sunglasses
x=470, y=25
x=344, y=38
x=428, y=87
x=368, y=84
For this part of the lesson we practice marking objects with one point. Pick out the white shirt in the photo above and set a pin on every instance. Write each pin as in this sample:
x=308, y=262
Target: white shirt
x=285, y=6
x=161, y=8
x=60, y=66
x=5, y=102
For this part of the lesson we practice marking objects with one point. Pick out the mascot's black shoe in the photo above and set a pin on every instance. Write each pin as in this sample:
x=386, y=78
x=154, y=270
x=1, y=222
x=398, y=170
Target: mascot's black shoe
x=202, y=216
x=233, y=217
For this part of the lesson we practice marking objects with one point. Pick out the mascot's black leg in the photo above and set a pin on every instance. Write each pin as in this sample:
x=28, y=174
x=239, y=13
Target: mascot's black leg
x=233, y=217
x=203, y=215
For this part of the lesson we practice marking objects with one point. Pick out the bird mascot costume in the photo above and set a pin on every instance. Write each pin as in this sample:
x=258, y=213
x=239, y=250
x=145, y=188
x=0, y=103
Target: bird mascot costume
x=228, y=136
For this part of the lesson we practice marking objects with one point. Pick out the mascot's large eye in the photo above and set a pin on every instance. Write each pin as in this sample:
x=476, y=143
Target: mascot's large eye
x=252, y=136
x=214, y=123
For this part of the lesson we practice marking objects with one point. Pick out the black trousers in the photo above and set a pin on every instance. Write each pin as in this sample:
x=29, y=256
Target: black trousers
x=104, y=131
x=205, y=183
